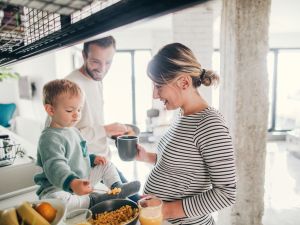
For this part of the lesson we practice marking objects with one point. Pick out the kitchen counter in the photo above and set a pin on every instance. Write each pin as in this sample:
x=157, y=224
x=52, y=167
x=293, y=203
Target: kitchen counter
x=17, y=178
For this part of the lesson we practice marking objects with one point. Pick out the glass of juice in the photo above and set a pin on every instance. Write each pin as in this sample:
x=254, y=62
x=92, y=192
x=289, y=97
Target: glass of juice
x=78, y=217
x=150, y=211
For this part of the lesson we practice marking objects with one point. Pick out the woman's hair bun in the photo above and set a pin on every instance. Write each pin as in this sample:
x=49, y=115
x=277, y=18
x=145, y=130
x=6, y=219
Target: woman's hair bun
x=209, y=78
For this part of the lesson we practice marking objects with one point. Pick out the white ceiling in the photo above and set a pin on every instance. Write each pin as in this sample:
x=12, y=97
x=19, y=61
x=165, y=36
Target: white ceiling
x=285, y=18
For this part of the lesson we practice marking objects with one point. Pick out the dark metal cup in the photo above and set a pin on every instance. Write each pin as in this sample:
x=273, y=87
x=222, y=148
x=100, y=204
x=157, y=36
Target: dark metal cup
x=127, y=147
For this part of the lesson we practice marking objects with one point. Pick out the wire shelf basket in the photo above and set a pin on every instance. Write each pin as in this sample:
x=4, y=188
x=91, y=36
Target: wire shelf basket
x=39, y=24
x=43, y=29
x=9, y=150
x=12, y=27
x=22, y=25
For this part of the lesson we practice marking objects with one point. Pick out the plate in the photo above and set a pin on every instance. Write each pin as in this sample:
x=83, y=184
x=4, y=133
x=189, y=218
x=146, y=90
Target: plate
x=58, y=205
x=135, y=129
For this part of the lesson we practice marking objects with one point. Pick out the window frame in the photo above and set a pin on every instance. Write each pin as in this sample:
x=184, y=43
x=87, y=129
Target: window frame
x=276, y=52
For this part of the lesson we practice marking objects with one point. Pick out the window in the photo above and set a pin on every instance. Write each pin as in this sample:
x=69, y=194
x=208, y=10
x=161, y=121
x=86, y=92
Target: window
x=117, y=90
x=143, y=88
x=287, y=89
x=127, y=89
x=284, y=88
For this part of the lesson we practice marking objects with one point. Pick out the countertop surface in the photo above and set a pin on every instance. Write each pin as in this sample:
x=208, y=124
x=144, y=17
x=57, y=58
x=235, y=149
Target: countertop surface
x=18, y=177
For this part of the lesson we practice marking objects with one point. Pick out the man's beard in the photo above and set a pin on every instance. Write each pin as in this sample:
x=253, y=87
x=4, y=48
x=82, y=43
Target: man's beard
x=91, y=74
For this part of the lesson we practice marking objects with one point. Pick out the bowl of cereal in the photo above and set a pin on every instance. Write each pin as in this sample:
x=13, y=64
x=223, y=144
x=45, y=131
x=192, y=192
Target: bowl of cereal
x=115, y=211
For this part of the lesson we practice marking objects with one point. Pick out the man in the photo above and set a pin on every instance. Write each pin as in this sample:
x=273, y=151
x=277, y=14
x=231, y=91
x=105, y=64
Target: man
x=97, y=56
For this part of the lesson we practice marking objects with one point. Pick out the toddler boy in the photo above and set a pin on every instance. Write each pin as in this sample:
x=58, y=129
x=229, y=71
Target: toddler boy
x=69, y=171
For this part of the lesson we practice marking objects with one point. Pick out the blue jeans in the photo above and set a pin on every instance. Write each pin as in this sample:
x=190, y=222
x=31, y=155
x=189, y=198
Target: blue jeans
x=135, y=197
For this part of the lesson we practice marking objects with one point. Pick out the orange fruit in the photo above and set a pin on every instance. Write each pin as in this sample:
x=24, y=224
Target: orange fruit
x=47, y=211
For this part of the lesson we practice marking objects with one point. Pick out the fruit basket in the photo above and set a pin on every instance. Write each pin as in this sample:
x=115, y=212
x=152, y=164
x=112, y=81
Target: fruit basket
x=34, y=213
x=9, y=150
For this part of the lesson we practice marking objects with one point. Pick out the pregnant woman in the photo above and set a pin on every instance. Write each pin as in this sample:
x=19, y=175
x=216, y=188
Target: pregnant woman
x=194, y=168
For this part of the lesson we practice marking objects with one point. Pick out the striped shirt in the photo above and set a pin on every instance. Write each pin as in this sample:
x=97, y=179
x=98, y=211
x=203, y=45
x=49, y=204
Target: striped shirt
x=195, y=164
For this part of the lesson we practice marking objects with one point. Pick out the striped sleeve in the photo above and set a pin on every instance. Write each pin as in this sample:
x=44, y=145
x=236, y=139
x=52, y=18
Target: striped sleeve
x=215, y=145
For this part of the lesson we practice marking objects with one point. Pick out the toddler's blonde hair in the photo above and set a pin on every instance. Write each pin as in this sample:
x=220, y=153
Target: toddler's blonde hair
x=53, y=89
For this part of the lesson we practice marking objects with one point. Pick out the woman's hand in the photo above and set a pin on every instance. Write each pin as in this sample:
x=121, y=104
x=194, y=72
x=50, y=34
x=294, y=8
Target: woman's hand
x=81, y=186
x=142, y=154
x=173, y=210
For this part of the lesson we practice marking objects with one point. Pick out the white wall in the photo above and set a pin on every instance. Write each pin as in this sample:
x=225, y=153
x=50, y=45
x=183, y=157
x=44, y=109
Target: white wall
x=39, y=69
x=133, y=39
x=64, y=61
x=9, y=92
x=194, y=28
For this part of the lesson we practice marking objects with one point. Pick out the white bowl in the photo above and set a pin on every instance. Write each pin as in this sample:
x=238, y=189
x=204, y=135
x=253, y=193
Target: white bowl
x=59, y=206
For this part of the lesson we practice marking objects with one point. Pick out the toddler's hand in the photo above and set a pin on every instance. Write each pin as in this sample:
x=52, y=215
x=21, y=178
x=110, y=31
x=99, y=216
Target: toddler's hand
x=81, y=186
x=100, y=160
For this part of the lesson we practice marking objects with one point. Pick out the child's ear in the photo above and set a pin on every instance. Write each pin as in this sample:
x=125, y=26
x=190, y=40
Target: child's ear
x=49, y=109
